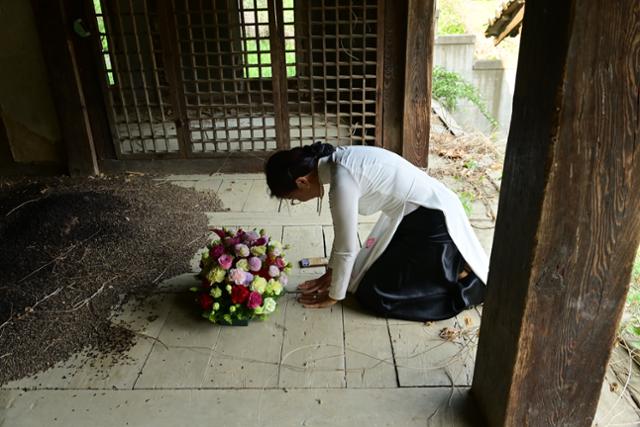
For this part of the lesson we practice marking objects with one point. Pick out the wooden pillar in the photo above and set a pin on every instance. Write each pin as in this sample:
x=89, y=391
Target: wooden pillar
x=56, y=37
x=417, y=89
x=392, y=36
x=568, y=224
x=171, y=63
x=279, y=74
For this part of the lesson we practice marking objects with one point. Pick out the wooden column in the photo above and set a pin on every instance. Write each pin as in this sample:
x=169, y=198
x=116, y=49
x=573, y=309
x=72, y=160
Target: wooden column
x=417, y=89
x=56, y=37
x=171, y=64
x=279, y=74
x=392, y=36
x=568, y=224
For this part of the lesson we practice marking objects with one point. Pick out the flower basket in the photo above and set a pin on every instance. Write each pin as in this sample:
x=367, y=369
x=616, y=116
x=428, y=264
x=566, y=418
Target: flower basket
x=243, y=273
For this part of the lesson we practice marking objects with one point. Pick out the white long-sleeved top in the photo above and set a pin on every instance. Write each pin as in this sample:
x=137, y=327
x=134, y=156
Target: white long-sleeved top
x=365, y=180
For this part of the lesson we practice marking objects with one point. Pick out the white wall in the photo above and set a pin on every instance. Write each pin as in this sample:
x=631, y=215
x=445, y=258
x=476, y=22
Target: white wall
x=456, y=53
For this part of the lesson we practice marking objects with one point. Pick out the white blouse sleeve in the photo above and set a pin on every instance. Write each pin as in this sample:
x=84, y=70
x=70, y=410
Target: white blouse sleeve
x=343, y=200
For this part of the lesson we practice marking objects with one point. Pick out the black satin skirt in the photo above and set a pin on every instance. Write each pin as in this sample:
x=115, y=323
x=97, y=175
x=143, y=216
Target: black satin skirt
x=416, y=277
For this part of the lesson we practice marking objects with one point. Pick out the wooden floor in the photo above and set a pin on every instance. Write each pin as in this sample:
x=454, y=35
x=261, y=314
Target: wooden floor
x=337, y=366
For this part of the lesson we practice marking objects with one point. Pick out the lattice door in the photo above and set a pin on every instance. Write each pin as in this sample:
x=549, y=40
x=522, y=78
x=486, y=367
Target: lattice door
x=202, y=78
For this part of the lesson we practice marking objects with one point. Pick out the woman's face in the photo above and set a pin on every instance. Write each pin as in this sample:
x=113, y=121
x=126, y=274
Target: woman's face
x=308, y=188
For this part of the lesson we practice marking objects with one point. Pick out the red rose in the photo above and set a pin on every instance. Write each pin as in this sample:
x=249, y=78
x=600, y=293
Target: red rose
x=264, y=273
x=255, y=300
x=261, y=241
x=239, y=294
x=205, y=301
x=280, y=263
x=216, y=251
x=219, y=232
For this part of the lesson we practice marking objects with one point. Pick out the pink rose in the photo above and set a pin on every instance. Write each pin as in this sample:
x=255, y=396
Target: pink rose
x=216, y=251
x=255, y=264
x=225, y=261
x=274, y=271
x=280, y=262
x=255, y=300
x=237, y=276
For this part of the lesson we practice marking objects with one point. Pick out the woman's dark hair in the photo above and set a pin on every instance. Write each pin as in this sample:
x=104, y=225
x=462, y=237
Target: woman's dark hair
x=284, y=167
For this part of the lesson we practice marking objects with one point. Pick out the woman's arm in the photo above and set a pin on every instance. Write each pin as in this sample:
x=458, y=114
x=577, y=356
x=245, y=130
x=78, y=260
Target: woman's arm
x=343, y=200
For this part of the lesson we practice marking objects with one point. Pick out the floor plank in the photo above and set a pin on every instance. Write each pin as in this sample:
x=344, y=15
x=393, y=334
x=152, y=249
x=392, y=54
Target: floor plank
x=313, y=351
x=181, y=355
x=369, y=357
x=259, y=199
x=304, y=242
x=425, y=359
x=234, y=193
x=438, y=407
x=248, y=357
x=258, y=219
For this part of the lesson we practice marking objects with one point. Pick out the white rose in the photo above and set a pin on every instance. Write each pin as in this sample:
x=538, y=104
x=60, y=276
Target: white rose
x=269, y=305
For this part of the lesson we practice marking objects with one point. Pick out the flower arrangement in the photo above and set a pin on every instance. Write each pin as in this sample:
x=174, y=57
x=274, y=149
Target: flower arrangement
x=243, y=273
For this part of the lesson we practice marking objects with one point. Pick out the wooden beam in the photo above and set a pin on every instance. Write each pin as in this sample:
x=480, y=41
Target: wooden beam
x=56, y=37
x=417, y=90
x=395, y=36
x=568, y=224
x=515, y=22
x=227, y=163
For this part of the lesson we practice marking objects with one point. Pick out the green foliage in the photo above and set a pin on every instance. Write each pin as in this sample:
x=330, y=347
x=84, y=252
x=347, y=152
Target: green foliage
x=467, y=200
x=449, y=87
x=635, y=273
x=471, y=164
x=449, y=18
x=259, y=63
x=632, y=308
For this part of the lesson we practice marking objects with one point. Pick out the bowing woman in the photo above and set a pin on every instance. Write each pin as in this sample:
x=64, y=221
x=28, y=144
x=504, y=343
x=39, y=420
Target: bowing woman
x=422, y=260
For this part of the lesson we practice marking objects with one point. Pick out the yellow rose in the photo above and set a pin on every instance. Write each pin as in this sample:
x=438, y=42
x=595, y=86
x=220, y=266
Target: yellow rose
x=259, y=284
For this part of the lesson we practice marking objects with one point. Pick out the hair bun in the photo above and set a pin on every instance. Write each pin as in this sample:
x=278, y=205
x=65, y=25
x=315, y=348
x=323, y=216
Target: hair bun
x=318, y=150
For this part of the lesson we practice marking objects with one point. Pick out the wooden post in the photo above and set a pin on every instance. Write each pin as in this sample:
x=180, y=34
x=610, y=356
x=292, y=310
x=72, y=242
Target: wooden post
x=417, y=90
x=171, y=63
x=568, y=224
x=279, y=74
x=393, y=41
x=56, y=37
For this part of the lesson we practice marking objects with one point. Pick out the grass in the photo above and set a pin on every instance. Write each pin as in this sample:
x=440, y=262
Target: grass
x=259, y=60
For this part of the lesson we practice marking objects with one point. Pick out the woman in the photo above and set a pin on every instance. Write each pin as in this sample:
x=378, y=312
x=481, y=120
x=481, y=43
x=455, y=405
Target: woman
x=422, y=260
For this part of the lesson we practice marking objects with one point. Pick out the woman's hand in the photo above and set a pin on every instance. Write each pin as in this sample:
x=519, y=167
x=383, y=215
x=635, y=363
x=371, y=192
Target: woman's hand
x=317, y=300
x=320, y=284
x=315, y=293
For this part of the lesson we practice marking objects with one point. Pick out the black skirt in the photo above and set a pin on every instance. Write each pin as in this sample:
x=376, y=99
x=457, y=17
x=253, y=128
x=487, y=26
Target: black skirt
x=416, y=277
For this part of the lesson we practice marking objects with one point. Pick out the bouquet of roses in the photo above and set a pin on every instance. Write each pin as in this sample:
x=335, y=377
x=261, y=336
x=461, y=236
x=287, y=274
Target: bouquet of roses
x=243, y=273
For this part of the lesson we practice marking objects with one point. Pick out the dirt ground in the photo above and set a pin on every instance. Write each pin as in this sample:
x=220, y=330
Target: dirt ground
x=73, y=250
